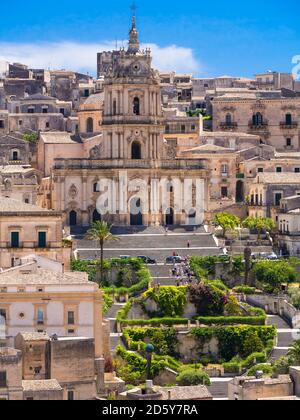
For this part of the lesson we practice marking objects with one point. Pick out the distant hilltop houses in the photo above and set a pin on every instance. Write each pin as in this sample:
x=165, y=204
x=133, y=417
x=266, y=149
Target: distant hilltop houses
x=163, y=167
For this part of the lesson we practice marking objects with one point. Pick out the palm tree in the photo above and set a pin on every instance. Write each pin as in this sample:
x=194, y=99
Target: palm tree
x=294, y=352
x=100, y=231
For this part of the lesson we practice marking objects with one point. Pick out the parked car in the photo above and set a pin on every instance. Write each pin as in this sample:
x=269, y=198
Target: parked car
x=174, y=259
x=125, y=257
x=147, y=260
x=264, y=256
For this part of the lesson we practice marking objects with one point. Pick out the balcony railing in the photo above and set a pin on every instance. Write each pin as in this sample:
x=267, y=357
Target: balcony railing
x=228, y=125
x=288, y=126
x=260, y=126
x=61, y=164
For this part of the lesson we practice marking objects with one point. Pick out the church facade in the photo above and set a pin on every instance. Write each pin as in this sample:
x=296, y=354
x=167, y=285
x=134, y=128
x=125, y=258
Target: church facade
x=129, y=174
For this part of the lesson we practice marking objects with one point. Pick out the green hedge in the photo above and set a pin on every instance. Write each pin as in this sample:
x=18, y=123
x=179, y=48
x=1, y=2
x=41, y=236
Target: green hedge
x=246, y=290
x=154, y=322
x=232, y=320
x=234, y=340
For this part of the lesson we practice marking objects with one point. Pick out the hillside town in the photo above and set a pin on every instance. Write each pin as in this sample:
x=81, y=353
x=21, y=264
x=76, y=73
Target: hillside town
x=149, y=233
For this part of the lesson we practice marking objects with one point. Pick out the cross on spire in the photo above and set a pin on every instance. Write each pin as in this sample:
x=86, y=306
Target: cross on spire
x=134, y=44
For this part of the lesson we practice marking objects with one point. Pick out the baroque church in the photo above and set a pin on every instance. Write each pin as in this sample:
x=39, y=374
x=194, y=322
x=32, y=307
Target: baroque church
x=127, y=173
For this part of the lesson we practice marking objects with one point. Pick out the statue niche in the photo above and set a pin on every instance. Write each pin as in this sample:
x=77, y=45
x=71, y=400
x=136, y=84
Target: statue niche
x=96, y=152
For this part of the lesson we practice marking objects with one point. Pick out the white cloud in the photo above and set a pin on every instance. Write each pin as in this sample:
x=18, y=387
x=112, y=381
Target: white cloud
x=82, y=57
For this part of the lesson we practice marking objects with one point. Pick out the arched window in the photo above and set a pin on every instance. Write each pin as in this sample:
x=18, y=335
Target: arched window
x=95, y=187
x=89, y=125
x=228, y=119
x=288, y=119
x=257, y=119
x=136, y=106
x=170, y=188
x=136, y=152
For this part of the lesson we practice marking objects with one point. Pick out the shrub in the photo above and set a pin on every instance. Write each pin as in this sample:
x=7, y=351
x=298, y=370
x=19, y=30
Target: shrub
x=232, y=307
x=273, y=273
x=265, y=368
x=191, y=376
x=246, y=290
x=107, y=303
x=282, y=365
x=232, y=339
x=231, y=367
x=170, y=300
x=252, y=343
x=208, y=299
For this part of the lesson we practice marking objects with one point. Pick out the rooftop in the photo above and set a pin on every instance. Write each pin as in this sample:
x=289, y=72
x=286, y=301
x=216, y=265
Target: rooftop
x=35, y=336
x=31, y=274
x=60, y=137
x=184, y=392
x=278, y=178
x=41, y=385
x=11, y=205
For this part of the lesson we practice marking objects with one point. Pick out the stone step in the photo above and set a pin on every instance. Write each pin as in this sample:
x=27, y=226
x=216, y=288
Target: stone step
x=219, y=388
x=115, y=340
x=285, y=339
x=277, y=321
x=114, y=309
x=278, y=352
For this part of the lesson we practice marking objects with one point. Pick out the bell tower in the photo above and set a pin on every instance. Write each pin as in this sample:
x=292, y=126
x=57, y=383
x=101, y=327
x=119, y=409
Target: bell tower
x=132, y=120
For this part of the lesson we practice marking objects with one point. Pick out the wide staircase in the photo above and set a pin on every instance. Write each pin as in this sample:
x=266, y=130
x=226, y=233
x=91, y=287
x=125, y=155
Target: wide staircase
x=219, y=388
x=153, y=242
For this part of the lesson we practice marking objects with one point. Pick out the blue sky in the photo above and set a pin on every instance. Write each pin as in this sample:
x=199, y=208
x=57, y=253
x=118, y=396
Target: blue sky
x=206, y=38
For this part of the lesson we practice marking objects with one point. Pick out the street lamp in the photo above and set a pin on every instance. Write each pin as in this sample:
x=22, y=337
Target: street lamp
x=149, y=350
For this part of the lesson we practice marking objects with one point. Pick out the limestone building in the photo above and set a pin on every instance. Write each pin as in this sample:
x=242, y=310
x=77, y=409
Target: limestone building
x=131, y=148
x=29, y=229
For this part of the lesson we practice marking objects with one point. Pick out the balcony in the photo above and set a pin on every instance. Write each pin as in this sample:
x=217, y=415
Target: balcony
x=228, y=126
x=288, y=126
x=258, y=127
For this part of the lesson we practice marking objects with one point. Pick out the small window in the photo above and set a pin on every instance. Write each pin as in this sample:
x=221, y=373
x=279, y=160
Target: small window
x=1, y=124
x=193, y=127
x=182, y=128
x=42, y=240
x=288, y=119
x=95, y=187
x=20, y=122
x=224, y=192
x=297, y=170
x=62, y=111
x=47, y=125
x=279, y=169
x=260, y=170
x=14, y=240
x=40, y=316
x=45, y=110
x=288, y=142
x=30, y=110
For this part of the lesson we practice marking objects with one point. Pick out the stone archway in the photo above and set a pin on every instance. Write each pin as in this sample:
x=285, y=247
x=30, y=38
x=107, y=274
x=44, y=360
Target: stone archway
x=240, y=191
x=73, y=218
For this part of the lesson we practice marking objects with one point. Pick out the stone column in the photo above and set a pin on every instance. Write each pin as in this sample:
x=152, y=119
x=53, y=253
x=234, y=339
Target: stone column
x=98, y=333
